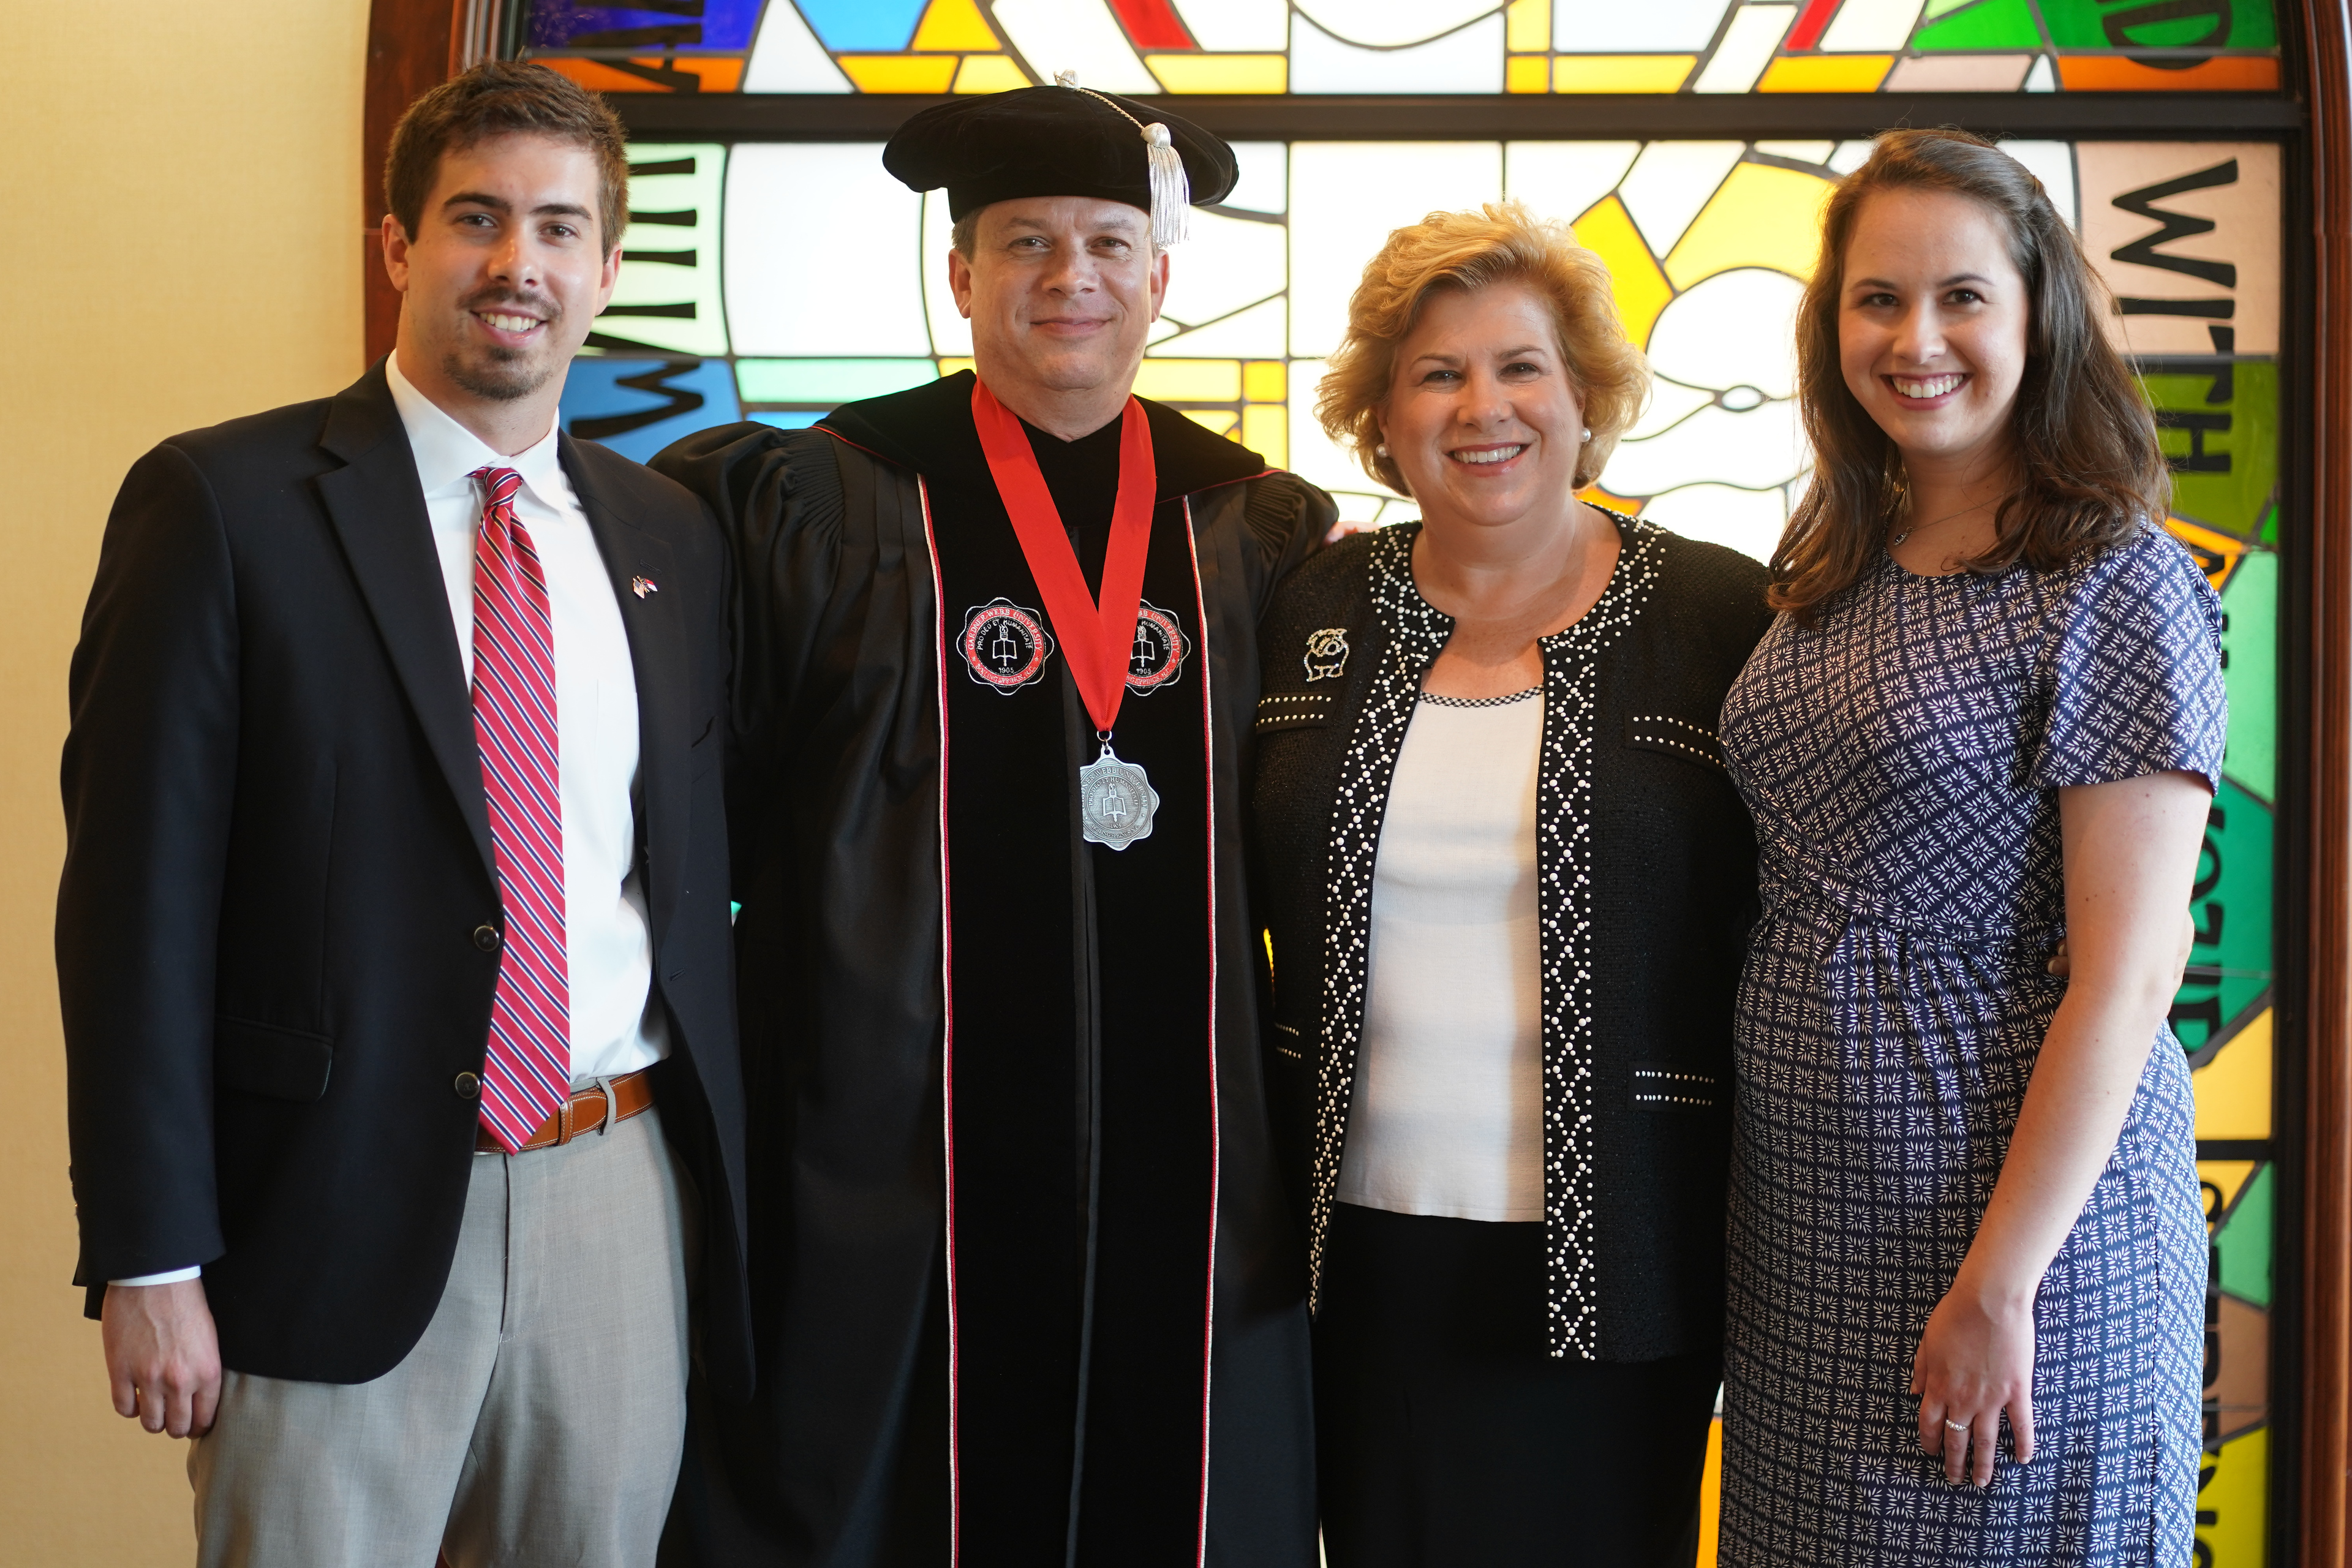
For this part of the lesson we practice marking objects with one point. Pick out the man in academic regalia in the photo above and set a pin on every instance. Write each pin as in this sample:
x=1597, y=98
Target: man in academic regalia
x=1025, y=1289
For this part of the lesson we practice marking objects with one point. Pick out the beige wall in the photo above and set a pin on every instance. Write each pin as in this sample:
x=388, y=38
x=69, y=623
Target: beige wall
x=181, y=245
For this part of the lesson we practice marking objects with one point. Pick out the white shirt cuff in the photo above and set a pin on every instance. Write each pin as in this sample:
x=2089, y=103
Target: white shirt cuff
x=169, y=1276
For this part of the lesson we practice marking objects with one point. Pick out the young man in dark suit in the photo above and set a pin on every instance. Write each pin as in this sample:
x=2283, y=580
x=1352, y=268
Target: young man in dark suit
x=394, y=934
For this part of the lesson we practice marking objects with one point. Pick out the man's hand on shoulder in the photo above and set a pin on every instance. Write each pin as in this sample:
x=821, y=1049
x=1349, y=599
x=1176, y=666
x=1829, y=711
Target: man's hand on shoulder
x=163, y=1357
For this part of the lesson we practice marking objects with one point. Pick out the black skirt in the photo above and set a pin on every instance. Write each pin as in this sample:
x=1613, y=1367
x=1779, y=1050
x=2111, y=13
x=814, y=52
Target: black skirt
x=1448, y=1436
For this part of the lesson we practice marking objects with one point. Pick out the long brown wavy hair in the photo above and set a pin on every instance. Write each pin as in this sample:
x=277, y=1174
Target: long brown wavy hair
x=2085, y=440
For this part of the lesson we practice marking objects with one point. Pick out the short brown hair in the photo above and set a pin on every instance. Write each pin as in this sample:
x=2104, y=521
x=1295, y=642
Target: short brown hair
x=2085, y=437
x=1499, y=243
x=498, y=98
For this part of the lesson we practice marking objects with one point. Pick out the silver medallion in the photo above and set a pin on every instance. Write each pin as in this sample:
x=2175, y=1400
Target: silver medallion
x=1115, y=801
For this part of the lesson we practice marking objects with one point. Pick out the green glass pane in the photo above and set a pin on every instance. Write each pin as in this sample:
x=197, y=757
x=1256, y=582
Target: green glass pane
x=2230, y=964
x=2221, y=436
x=1988, y=25
x=2270, y=525
x=2244, y=1243
x=2161, y=24
x=2250, y=668
x=828, y=380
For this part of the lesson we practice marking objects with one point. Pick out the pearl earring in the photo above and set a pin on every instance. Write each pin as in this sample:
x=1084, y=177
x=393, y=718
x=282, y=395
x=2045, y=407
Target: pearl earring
x=1587, y=431
x=1379, y=451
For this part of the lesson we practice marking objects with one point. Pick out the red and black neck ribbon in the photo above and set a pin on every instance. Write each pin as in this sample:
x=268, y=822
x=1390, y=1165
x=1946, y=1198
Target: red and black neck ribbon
x=1095, y=637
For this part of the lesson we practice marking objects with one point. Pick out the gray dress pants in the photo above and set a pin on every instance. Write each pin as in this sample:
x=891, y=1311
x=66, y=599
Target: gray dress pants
x=540, y=1419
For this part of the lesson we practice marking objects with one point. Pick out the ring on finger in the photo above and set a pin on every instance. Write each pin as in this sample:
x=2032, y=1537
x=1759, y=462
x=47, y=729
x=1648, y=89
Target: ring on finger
x=1955, y=1425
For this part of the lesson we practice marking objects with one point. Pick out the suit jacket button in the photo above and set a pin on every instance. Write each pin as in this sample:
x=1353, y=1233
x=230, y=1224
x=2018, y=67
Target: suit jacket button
x=469, y=1086
x=485, y=937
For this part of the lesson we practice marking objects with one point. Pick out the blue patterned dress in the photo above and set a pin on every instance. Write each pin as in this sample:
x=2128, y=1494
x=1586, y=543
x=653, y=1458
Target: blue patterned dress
x=1903, y=761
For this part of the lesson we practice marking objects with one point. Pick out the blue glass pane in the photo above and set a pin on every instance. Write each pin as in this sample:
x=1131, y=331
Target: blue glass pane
x=695, y=25
x=863, y=23
x=638, y=407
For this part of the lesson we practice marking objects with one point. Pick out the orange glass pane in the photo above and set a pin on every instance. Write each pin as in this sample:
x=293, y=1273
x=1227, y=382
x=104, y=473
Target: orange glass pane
x=715, y=75
x=2112, y=73
x=1826, y=73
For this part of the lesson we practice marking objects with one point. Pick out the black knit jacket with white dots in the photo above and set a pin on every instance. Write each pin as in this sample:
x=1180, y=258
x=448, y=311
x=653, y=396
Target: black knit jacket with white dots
x=1644, y=918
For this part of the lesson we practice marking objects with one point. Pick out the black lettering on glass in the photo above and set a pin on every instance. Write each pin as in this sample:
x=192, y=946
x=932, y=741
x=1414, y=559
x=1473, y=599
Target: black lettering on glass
x=654, y=379
x=2117, y=22
x=2197, y=459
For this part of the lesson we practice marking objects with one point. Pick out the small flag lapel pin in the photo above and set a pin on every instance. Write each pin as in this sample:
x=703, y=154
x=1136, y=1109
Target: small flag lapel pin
x=641, y=586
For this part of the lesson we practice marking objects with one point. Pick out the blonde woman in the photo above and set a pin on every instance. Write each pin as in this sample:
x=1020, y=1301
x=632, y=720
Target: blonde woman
x=1507, y=882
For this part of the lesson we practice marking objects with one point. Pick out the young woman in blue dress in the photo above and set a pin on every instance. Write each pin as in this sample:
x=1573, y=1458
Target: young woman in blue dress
x=1967, y=1254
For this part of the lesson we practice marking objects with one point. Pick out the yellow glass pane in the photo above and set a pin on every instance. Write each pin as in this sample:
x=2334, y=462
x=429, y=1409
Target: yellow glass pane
x=1265, y=380
x=1221, y=73
x=2234, y=1089
x=954, y=25
x=1527, y=73
x=1527, y=24
x=1710, y=1496
x=899, y=73
x=989, y=73
x=1620, y=73
x=2233, y=1507
x=1221, y=420
x=1761, y=216
x=1826, y=73
x=1266, y=430
x=1190, y=380
x=1608, y=232
x=948, y=367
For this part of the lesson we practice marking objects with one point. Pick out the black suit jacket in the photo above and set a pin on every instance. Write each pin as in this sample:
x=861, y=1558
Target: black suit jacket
x=279, y=853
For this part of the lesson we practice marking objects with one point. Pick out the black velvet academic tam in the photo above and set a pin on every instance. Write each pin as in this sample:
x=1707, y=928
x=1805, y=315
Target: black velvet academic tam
x=1049, y=142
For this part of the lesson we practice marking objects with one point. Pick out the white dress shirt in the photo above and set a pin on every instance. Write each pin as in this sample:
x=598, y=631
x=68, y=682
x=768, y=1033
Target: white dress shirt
x=608, y=944
x=1447, y=1116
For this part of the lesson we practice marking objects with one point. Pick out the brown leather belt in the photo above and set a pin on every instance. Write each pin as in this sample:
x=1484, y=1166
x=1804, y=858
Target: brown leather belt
x=583, y=1112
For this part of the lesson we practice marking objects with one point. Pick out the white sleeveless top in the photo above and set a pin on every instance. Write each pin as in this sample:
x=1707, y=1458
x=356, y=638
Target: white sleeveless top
x=1447, y=1113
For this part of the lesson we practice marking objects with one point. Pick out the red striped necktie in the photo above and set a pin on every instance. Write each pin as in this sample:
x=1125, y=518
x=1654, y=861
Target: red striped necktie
x=528, y=1071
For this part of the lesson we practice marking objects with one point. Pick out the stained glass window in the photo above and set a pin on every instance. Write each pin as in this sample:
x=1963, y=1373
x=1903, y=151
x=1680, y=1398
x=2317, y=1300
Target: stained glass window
x=1413, y=47
x=731, y=306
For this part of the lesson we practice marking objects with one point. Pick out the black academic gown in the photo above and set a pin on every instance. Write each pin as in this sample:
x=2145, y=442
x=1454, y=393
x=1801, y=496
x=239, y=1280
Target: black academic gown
x=1026, y=1287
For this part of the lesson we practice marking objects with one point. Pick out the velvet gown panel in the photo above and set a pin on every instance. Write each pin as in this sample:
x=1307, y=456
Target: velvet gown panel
x=848, y=639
